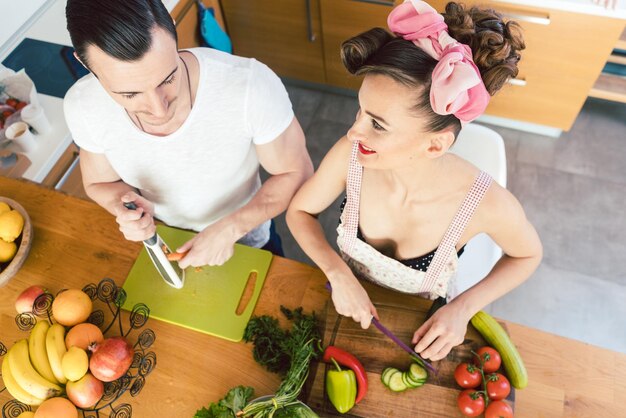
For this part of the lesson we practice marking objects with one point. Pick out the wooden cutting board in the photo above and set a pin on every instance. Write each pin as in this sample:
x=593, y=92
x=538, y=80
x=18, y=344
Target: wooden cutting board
x=437, y=398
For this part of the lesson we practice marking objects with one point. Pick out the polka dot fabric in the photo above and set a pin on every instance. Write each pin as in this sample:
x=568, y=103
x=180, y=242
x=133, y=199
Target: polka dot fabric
x=368, y=263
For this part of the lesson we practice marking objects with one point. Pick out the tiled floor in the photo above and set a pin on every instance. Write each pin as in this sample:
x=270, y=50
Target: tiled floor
x=573, y=190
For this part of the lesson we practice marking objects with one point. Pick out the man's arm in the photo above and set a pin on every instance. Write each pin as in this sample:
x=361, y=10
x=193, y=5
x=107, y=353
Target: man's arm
x=104, y=186
x=288, y=162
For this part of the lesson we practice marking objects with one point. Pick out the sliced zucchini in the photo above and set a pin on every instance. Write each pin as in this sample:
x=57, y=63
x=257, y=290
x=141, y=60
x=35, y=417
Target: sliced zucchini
x=396, y=383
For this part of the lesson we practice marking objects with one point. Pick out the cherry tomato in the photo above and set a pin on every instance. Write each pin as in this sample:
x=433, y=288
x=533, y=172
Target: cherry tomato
x=498, y=386
x=471, y=403
x=499, y=409
x=467, y=375
x=7, y=113
x=490, y=357
x=20, y=105
x=11, y=102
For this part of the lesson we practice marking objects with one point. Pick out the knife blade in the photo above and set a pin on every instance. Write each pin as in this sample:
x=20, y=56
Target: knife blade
x=419, y=359
x=170, y=272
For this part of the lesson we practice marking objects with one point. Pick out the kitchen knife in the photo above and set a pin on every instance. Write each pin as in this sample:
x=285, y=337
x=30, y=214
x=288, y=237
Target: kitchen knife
x=398, y=341
x=170, y=272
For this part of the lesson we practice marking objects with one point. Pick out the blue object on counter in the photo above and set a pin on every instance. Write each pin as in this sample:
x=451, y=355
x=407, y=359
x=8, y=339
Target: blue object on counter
x=212, y=34
x=52, y=67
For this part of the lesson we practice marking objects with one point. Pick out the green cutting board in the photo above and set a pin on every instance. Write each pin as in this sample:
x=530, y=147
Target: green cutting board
x=209, y=299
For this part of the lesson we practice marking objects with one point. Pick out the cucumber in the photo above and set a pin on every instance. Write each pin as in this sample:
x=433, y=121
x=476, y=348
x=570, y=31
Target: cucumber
x=396, y=383
x=412, y=382
x=495, y=336
x=386, y=375
x=418, y=373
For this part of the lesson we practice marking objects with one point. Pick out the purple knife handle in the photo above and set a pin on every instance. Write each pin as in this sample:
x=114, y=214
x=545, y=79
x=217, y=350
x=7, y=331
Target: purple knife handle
x=396, y=340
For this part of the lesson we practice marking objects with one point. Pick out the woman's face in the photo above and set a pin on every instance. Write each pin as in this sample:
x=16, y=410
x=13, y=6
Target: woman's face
x=148, y=88
x=389, y=132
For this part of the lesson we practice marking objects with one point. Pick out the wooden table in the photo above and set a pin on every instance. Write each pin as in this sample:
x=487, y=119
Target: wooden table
x=75, y=242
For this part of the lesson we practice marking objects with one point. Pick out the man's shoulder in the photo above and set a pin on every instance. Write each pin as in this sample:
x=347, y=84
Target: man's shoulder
x=213, y=57
x=86, y=91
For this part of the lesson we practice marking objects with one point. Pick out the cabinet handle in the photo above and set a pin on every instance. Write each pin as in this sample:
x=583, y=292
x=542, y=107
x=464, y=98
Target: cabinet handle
x=381, y=2
x=517, y=81
x=309, y=21
x=69, y=171
x=539, y=20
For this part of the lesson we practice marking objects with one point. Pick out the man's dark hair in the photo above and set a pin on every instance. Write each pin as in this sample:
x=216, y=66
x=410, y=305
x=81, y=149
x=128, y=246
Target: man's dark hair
x=120, y=28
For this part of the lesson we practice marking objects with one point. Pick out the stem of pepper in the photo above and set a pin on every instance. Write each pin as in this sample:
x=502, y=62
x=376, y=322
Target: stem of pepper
x=335, y=363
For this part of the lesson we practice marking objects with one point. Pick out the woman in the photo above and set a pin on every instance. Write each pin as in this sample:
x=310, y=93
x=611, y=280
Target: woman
x=411, y=206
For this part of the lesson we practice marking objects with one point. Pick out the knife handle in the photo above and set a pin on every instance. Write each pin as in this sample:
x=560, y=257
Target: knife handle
x=153, y=239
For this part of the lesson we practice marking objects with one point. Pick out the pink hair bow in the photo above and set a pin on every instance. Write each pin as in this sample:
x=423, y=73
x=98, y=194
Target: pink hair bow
x=457, y=87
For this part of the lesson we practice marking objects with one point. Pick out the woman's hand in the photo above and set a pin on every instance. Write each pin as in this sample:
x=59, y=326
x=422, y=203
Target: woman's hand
x=137, y=224
x=351, y=300
x=441, y=332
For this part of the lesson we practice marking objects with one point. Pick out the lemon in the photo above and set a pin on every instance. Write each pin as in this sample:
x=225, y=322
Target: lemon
x=4, y=208
x=11, y=224
x=7, y=250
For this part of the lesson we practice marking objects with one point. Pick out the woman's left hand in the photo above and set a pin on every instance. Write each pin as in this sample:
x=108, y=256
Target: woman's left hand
x=441, y=332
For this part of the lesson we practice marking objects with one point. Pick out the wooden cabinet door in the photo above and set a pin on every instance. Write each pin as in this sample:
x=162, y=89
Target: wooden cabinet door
x=565, y=52
x=343, y=19
x=283, y=34
x=187, y=25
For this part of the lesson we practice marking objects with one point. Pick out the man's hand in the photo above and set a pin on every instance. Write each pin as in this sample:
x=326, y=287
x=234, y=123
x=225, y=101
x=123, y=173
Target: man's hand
x=138, y=224
x=213, y=246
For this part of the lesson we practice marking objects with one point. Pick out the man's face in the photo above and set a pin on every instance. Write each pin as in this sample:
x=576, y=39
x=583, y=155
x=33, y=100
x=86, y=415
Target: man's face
x=148, y=88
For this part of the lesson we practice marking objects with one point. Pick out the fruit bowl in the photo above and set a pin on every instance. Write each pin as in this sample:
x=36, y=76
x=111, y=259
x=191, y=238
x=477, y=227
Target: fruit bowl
x=10, y=268
x=107, y=315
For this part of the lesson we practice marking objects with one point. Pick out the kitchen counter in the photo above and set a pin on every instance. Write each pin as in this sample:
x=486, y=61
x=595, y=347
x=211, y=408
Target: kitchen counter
x=75, y=242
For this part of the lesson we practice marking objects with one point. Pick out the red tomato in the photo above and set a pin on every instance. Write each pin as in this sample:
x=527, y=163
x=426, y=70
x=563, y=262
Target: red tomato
x=467, y=375
x=499, y=409
x=498, y=386
x=471, y=403
x=7, y=113
x=491, y=359
x=11, y=102
x=20, y=105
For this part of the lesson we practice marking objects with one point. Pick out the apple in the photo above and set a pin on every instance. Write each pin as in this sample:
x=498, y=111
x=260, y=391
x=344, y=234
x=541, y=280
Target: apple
x=85, y=392
x=25, y=301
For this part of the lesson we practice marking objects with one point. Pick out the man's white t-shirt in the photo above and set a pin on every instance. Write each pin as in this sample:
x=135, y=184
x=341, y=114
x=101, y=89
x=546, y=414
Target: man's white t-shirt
x=208, y=168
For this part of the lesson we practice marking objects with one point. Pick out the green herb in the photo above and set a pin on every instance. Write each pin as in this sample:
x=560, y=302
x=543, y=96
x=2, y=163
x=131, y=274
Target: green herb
x=233, y=402
x=300, y=345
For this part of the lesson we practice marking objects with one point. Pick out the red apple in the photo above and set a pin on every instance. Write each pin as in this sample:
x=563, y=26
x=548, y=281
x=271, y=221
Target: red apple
x=26, y=299
x=111, y=358
x=85, y=392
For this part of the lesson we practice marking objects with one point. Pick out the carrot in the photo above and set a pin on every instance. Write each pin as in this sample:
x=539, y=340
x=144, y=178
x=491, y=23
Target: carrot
x=176, y=256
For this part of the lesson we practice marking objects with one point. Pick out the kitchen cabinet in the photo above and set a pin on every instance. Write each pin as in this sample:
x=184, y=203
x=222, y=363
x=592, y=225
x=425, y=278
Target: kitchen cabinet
x=611, y=86
x=364, y=15
x=66, y=175
x=186, y=16
x=283, y=34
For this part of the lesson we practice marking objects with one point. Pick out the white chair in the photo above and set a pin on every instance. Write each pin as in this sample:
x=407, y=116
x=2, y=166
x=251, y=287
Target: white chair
x=484, y=148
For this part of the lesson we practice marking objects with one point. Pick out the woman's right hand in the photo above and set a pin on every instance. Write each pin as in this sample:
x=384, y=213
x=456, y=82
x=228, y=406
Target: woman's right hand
x=351, y=299
x=138, y=224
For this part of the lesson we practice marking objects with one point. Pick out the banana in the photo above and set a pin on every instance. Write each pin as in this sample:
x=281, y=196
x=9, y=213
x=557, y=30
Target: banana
x=14, y=388
x=55, y=347
x=26, y=375
x=37, y=351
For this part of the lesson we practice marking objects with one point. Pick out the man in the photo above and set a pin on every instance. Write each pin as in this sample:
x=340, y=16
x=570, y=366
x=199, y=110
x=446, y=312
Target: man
x=180, y=133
